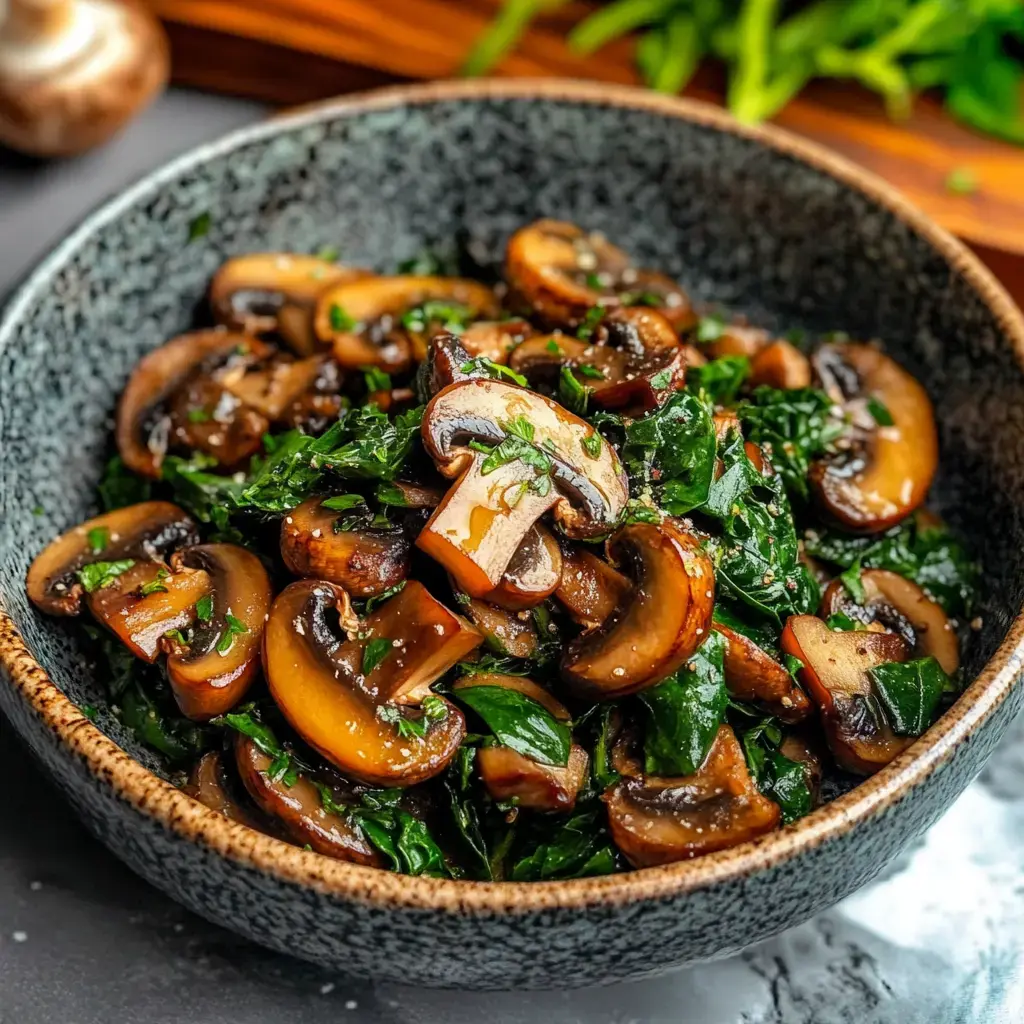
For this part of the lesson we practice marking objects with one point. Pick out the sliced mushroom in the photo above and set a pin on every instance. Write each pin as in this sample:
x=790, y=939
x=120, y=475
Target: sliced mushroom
x=505, y=632
x=495, y=339
x=145, y=603
x=486, y=515
x=276, y=292
x=560, y=272
x=349, y=715
x=885, y=471
x=657, y=627
x=416, y=496
x=366, y=562
x=752, y=674
x=590, y=589
x=362, y=320
x=633, y=360
x=299, y=808
x=533, y=574
x=738, y=340
x=780, y=365
x=274, y=388
x=658, y=821
x=148, y=531
x=802, y=748
x=836, y=675
x=208, y=783
x=143, y=424
x=902, y=607
x=509, y=775
x=447, y=361
x=212, y=672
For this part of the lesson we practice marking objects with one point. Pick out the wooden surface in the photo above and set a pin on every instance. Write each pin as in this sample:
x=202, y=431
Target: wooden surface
x=295, y=51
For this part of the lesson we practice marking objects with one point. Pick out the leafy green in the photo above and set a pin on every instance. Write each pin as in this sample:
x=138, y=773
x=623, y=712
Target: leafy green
x=879, y=413
x=795, y=427
x=404, y=839
x=778, y=777
x=601, y=768
x=592, y=445
x=465, y=807
x=571, y=393
x=204, y=608
x=852, y=581
x=283, y=766
x=519, y=722
x=343, y=502
x=589, y=324
x=339, y=318
x=672, y=452
x=376, y=379
x=155, y=585
x=719, y=379
x=232, y=627
x=757, y=558
x=927, y=554
x=434, y=710
x=565, y=848
x=685, y=711
x=98, y=538
x=102, y=574
x=454, y=317
x=910, y=692
x=375, y=652
x=178, y=739
x=199, y=226
x=493, y=369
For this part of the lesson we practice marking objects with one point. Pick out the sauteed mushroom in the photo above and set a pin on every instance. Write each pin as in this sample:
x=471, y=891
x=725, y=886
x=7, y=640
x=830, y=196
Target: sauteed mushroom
x=504, y=631
x=632, y=361
x=533, y=574
x=346, y=696
x=509, y=775
x=212, y=671
x=148, y=531
x=904, y=608
x=752, y=674
x=145, y=603
x=553, y=462
x=590, y=589
x=365, y=562
x=276, y=292
x=657, y=821
x=661, y=623
x=835, y=674
x=277, y=388
x=495, y=339
x=300, y=810
x=362, y=320
x=885, y=472
x=561, y=272
x=144, y=426
x=207, y=783
x=780, y=365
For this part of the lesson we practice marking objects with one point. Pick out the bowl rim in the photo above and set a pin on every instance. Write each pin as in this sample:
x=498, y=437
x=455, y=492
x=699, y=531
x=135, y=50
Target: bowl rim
x=180, y=814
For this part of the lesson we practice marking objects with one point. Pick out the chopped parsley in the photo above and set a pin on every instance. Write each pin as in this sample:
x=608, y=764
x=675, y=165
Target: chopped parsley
x=232, y=627
x=98, y=538
x=102, y=574
x=375, y=652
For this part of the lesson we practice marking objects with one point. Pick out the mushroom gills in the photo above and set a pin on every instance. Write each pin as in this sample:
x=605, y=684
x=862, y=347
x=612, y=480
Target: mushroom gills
x=835, y=674
x=209, y=784
x=658, y=821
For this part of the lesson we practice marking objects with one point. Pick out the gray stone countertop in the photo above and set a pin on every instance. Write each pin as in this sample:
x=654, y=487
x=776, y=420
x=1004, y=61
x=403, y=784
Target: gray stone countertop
x=940, y=939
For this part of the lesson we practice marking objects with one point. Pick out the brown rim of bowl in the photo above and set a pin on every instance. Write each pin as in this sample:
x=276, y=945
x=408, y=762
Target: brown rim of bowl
x=179, y=813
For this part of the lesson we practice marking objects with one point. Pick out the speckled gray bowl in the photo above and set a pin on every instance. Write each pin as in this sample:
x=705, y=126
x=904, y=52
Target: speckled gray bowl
x=757, y=220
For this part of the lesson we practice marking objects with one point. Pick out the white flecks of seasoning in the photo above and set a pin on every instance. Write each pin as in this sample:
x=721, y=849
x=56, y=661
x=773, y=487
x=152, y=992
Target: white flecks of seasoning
x=404, y=751
x=618, y=672
x=327, y=988
x=35, y=886
x=299, y=627
x=977, y=622
x=316, y=533
x=351, y=1004
x=19, y=936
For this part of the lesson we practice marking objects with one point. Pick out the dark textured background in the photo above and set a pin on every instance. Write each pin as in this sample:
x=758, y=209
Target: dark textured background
x=83, y=941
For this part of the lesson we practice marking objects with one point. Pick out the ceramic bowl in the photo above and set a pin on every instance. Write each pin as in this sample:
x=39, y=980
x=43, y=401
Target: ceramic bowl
x=752, y=218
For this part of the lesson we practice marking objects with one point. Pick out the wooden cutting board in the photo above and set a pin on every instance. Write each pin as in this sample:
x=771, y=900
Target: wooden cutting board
x=296, y=51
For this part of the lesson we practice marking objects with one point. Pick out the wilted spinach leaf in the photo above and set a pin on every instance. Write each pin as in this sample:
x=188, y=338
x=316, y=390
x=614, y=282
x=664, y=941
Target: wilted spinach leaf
x=565, y=848
x=672, y=451
x=795, y=426
x=779, y=778
x=719, y=379
x=685, y=711
x=924, y=552
x=403, y=838
x=519, y=722
x=120, y=487
x=910, y=692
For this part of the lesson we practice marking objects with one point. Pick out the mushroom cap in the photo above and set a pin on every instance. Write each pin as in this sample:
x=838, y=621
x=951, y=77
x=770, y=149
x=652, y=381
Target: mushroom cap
x=590, y=589
x=299, y=809
x=835, y=675
x=890, y=468
x=752, y=674
x=147, y=531
x=533, y=574
x=155, y=379
x=214, y=672
x=276, y=292
x=208, y=783
x=364, y=562
x=902, y=606
x=658, y=821
x=780, y=365
x=560, y=272
x=78, y=85
x=316, y=678
x=657, y=626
